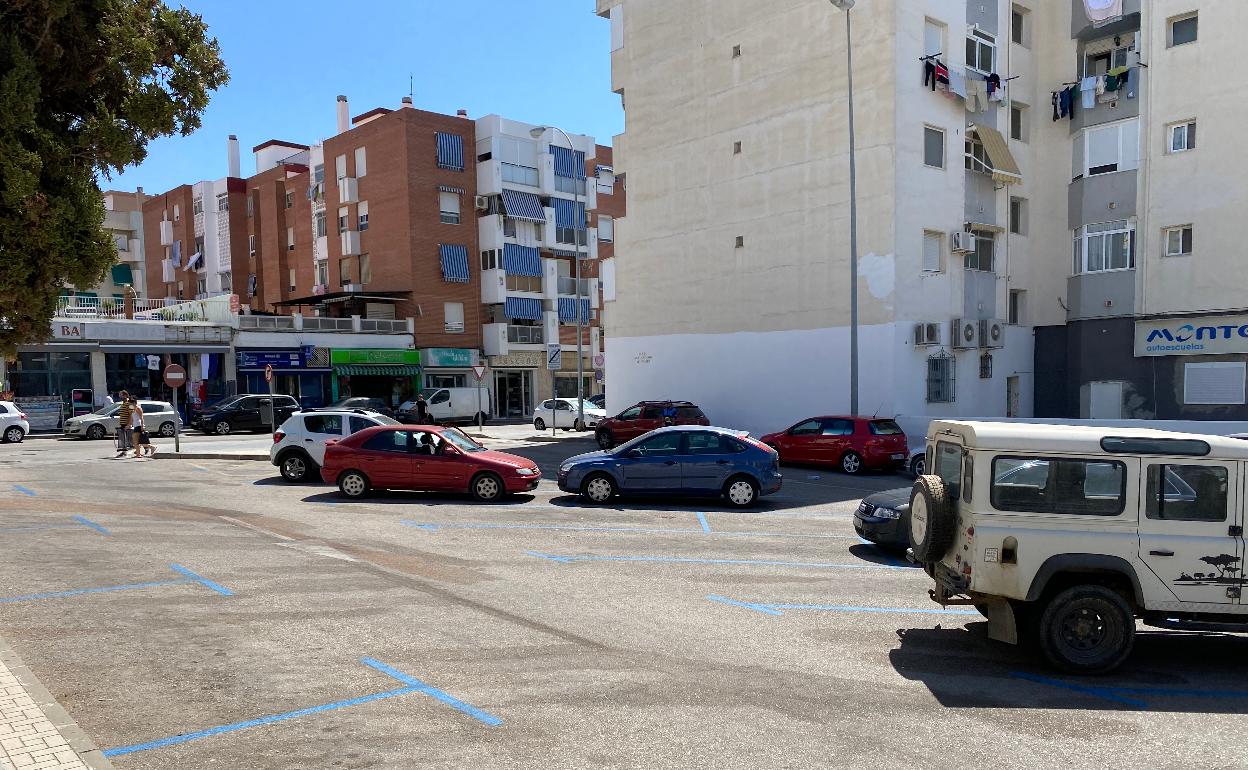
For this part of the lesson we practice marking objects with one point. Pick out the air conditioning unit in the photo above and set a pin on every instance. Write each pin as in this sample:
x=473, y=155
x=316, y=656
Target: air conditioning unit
x=961, y=242
x=926, y=334
x=991, y=334
x=483, y=202
x=965, y=334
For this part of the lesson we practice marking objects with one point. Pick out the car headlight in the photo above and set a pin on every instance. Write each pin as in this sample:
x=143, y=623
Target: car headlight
x=886, y=513
x=527, y=471
x=565, y=469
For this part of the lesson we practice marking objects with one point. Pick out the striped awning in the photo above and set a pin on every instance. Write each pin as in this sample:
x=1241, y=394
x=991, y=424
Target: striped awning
x=523, y=308
x=523, y=205
x=1004, y=167
x=448, y=188
x=376, y=370
x=454, y=262
x=569, y=214
x=567, y=310
x=450, y=151
x=568, y=163
x=122, y=274
x=521, y=260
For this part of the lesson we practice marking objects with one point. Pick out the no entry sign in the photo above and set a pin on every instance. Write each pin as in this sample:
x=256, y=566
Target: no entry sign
x=175, y=376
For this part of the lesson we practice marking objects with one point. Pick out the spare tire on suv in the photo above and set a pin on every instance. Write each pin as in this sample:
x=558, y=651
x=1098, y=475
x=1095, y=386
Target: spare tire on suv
x=933, y=520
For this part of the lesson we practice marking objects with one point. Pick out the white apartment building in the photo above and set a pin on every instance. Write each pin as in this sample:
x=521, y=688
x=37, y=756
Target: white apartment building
x=123, y=224
x=734, y=289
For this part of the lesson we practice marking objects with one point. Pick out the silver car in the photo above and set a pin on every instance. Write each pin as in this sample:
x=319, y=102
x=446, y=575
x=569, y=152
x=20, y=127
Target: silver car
x=158, y=417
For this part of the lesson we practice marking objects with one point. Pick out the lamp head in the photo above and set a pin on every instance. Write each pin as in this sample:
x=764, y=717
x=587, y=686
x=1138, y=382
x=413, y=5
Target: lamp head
x=537, y=131
x=844, y=5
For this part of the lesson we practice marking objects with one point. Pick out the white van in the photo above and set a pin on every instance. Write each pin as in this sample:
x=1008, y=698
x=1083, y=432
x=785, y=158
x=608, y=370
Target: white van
x=450, y=405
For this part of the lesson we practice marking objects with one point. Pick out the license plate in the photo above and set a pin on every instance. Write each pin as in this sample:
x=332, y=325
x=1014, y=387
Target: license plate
x=899, y=457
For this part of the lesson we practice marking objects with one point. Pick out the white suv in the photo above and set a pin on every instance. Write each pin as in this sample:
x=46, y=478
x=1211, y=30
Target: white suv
x=1064, y=536
x=13, y=423
x=299, y=444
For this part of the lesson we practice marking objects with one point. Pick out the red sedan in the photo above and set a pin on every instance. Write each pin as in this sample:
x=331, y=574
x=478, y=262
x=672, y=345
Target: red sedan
x=426, y=458
x=849, y=443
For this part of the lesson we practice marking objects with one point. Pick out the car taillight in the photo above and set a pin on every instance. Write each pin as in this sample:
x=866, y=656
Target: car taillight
x=278, y=436
x=21, y=415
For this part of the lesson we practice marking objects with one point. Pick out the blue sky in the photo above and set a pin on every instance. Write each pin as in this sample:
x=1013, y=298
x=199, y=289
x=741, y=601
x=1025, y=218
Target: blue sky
x=541, y=61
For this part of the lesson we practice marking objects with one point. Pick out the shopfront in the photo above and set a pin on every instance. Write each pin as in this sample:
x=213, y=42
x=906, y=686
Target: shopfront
x=519, y=380
x=390, y=374
x=295, y=373
x=449, y=367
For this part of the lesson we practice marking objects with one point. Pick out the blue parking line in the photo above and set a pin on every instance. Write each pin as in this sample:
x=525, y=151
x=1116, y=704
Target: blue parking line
x=702, y=520
x=83, y=520
x=690, y=560
x=201, y=580
x=99, y=590
x=778, y=609
x=434, y=692
x=435, y=526
x=747, y=605
x=1099, y=692
x=1119, y=694
x=24, y=490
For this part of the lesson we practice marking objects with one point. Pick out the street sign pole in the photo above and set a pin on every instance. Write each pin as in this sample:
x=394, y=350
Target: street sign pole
x=479, y=372
x=554, y=360
x=175, y=377
x=177, y=421
x=268, y=376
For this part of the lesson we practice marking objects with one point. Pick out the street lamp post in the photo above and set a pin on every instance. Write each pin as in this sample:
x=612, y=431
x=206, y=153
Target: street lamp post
x=536, y=133
x=846, y=5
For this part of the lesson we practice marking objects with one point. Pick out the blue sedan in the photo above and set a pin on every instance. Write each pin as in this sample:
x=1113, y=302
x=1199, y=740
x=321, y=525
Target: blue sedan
x=682, y=460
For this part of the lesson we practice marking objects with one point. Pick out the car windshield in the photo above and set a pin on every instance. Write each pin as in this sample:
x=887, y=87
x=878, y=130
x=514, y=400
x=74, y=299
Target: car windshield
x=107, y=409
x=461, y=440
x=885, y=428
x=223, y=403
x=384, y=420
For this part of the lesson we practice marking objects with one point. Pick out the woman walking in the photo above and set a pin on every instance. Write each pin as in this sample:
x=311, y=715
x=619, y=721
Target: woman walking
x=136, y=426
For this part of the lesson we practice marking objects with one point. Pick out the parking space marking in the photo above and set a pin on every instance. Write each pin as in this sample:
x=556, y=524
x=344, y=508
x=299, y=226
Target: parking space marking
x=435, y=526
x=24, y=490
x=191, y=577
x=84, y=521
x=77, y=521
x=201, y=580
x=411, y=685
x=690, y=560
x=702, y=520
x=1121, y=694
x=778, y=609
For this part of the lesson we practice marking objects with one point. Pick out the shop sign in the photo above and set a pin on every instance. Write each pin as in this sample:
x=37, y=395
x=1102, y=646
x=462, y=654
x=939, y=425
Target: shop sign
x=67, y=331
x=378, y=356
x=449, y=358
x=278, y=359
x=1205, y=336
x=521, y=359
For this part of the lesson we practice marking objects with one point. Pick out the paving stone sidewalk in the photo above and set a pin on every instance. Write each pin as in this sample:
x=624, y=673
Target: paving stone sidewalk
x=35, y=732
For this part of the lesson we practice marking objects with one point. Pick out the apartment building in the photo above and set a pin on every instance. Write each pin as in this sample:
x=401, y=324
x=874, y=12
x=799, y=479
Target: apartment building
x=123, y=222
x=735, y=290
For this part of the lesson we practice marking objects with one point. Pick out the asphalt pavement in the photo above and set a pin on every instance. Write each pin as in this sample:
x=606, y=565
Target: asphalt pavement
x=206, y=614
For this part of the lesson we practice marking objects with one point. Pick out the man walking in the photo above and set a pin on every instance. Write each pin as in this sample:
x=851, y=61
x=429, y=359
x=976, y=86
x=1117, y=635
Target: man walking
x=123, y=424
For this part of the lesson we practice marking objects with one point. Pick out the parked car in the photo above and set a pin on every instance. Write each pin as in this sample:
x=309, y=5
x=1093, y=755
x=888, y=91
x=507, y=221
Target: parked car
x=599, y=400
x=644, y=417
x=426, y=458
x=377, y=405
x=299, y=444
x=883, y=518
x=562, y=413
x=158, y=417
x=852, y=444
x=13, y=423
x=678, y=461
x=245, y=412
x=447, y=405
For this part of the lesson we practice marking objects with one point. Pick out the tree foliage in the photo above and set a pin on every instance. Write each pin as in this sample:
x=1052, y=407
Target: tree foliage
x=84, y=86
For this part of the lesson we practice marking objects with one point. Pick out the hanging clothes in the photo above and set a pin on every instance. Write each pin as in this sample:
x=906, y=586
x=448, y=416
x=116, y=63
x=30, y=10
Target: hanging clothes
x=976, y=94
x=957, y=84
x=929, y=73
x=1072, y=94
x=1101, y=12
x=1087, y=87
x=994, y=84
x=1062, y=104
x=942, y=74
x=1057, y=113
x=1133, y=81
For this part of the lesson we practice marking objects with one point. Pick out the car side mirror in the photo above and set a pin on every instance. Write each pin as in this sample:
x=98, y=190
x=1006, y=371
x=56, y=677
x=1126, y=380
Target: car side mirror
x=450, y=450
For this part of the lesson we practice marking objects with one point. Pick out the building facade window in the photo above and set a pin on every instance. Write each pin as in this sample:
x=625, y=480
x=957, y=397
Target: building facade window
x=322, y=273
x=290, y=200
x=361, y=162
x=177, y=213
x=515, y=174
x=223, y=203
x=227, y=281
x=1018, y=122
x=453, y=317
x=1016, y=306
x=981, y=51
x=291, y=278
x=318, y=173
x=361, y=214
x=1178, y=241
x=976, y=158
x=318, y=223
x=509, y=227
x=342, y=219
x=344, y=271
x=985, y=366
x=1108, y=149
x=528, y=283
x=448, y=206
x=1183, y=136
x=933, y=147
x=941, y=379
x=1103, y=247
x=251, y=207
x=567, y=184
x=934, y=38
x=340, y=166
x=1018, y=216
x=197, y=206
x=1182, y=30
x=1018, y=26
x=290, y=239
x=982, y=257
x=366, y=269
x=933, y=244
x=251, y=245
x=490, y=259
x=606, y=229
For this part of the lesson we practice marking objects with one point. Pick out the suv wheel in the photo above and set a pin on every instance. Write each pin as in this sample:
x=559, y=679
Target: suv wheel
x=932, y=519
x=1088, y=629
x=296, y=466
x=605, y=440
x=851, y=463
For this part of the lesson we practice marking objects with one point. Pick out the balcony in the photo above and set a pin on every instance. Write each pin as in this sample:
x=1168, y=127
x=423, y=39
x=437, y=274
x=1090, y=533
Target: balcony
x=568, y=287
x=348, y=190
x=83, y=306
x=525, y=335
x=383, y=326
x=317, y=324
x=351, y=243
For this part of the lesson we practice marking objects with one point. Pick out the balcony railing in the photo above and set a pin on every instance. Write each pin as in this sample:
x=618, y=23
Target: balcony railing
x=525, y=335
x=314, y=324
x=102, y=307
x=383, y=325
x=567, y=287
x=279, y=323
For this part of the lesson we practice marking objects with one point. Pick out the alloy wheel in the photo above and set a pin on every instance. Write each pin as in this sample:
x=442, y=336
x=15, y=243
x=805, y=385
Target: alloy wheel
x=13, y=435
x=487, y=488
x=294, y=468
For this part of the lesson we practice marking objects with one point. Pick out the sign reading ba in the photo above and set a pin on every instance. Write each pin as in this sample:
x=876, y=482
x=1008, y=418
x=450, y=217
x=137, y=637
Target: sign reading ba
x=1209, y=335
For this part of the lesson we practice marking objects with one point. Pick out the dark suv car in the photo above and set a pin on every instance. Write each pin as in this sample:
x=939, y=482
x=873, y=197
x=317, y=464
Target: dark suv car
x=245, y=413
x=645, y=417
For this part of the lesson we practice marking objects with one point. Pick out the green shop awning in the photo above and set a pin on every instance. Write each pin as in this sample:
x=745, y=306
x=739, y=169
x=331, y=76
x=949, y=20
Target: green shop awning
x=392, y=370
x=122, y=275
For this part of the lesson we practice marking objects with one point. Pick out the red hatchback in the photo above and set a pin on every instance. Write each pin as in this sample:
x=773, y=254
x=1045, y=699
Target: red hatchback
x=644, y=417
x=426, y=458
x=849, y=443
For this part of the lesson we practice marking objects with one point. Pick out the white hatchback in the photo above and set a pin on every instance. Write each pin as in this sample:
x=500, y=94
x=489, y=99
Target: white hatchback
x=299, y=444
x=13, y=423
x=561, y=413
x=158, y=417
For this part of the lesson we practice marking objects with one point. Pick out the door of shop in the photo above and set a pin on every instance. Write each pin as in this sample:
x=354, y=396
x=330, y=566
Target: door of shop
x=513, y=393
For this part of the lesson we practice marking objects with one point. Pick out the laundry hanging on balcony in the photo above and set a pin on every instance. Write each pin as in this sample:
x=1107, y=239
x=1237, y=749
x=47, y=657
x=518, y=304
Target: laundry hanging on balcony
x=454, y=260
x=522, y=260
x=567, y=310
x=177, y=253
x=523, y=308
x=195, y=260
x=1101, y=12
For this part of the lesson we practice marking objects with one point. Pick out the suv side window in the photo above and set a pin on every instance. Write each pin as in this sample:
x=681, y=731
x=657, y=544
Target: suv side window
x=689, y=413
x=948, y=467
x=151, y=407
x=328, y=424
x=359, y=423
x=286, y=401
x=1042, y=485
x=4, y=409
x=651, y=413
x=632, y=413
x=1187, y=493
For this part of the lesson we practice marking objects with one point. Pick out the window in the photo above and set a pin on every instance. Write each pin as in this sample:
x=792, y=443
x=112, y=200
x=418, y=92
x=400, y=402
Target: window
x=808, y=428
x=360, y=423
x=740, y=242
x=631, y=413
x=1107, y=149
x=318, y=173
x=197, y=206
x=290, y=239
x=606, y=181
x=1018, y=26
x=344, y=271
x=700, y=443
x=569, y=185
x=177, y=213
x=388, y=441
x=662, y=445
x=366, y=269
x=606, y=228
x=489, y=259
x=1216, y=383
x=318, y=222
x=524, y=175
x=1178, y=241
x=201, y=285
x=251, y=245
x=361, y=213
x=527, y=283
x=1018, y=216
x=571, y=235
x=361, y=162
x=322, y=273
x=453, y=317
x=290, y=200
x=291, y=275
x=941, y=379
x=1077, y=487
x=1186, y=493
x=1106, y=246
x=227, y=281
x=340, y=166
x=736, y=51
x=736, y=148
x=250, y=207
x=1016, y=306
x=342, y=219
x=448, y=204
x=976, y=158
x=1018, y=122
x=933, y=244
x=985, y=248
x=884, y=428
x=1182, y=30
x=933, y=38
x=981, y=51
x=509, y=227
x=223, y=203
x=838, y=428
x=985, y=366
x=933, y=147
x=121, y=242
x=1183, y=136
x=328, y=424
x=948, y=467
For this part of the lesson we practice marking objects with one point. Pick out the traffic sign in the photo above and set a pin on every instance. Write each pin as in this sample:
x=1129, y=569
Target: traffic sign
x=598, y=376
x=268, y=372
x=599, y=360
x=478, y=372
x=554, y=356
x=175, y=376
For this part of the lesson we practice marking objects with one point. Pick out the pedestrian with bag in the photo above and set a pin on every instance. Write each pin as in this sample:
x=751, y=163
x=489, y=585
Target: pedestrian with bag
x=136, y=425
x=123, y=424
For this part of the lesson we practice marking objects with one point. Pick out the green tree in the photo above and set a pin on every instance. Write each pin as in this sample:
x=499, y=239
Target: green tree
x=84, y=86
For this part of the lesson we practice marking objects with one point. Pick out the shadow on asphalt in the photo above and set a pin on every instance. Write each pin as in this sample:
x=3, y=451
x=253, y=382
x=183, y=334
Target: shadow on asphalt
x=691, y=504
x=1167, y=671
x=877, y=554
x=378, y=497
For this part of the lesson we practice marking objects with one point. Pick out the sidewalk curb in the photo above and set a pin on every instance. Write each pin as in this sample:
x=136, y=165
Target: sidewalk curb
x=74, y=735
x=208, y=456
